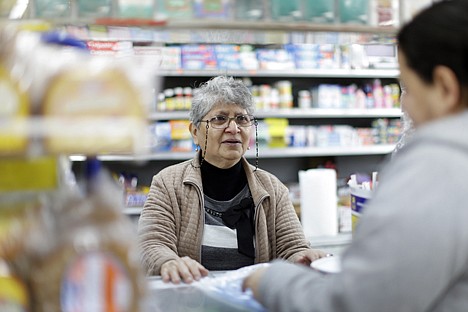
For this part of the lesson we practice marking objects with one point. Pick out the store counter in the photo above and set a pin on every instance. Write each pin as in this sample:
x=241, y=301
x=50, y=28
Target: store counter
x=220, y=291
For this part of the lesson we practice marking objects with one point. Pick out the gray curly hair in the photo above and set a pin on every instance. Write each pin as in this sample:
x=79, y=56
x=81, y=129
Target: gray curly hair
x=219, y=90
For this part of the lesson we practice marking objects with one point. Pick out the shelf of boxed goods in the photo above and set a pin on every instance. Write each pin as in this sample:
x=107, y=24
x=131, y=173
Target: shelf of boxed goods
x=214, y=31
x=287, y=152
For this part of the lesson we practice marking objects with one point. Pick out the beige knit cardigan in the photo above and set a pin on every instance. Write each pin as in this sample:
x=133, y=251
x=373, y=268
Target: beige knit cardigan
x=172, y=220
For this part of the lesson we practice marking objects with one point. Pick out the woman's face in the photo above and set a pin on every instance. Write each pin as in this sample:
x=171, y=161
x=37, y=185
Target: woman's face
x=224, y=147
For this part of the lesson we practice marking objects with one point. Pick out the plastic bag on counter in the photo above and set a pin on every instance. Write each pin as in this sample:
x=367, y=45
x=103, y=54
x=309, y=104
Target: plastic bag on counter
x=228, y=287
x=91, y=260
x=220, y=291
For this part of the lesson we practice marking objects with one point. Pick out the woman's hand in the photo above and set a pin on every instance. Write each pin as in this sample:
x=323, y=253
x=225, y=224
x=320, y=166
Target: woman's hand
x=306, y=257
x=185, y=269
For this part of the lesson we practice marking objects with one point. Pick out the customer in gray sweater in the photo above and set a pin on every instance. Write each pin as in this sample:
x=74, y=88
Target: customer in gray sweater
x=410, y=248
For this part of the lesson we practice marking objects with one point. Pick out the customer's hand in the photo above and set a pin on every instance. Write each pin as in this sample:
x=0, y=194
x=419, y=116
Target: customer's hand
x=185, y=269
x=306, y=257
x=252, y=282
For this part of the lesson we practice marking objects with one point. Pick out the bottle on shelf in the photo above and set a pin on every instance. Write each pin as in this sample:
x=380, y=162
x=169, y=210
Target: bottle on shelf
x=305, y=99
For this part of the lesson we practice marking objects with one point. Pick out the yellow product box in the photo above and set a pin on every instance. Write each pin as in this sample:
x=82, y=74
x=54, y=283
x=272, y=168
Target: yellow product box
x=36, y=174
x=180, y=136
x=180, y=129
x=277, y=128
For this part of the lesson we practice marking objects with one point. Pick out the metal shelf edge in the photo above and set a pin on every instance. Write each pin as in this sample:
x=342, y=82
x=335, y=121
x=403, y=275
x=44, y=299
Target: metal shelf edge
x=287, y=152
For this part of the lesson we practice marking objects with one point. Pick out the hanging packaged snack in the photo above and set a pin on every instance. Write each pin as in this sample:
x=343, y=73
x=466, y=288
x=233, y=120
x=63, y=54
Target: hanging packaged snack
x=13, y=113
x=21, y=218
x=14, y=295
x=92, y=111
x=15, y=107
x=76, y=104
x=91, y=259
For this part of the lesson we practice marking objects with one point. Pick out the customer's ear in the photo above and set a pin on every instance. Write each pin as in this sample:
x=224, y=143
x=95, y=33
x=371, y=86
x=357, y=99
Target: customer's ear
x=448, y=88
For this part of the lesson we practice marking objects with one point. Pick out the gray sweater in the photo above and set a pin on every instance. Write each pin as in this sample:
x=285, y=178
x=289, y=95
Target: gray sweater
x=410, y=249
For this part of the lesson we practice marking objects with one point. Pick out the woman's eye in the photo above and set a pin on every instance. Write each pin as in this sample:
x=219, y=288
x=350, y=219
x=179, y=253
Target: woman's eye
x=219, y=118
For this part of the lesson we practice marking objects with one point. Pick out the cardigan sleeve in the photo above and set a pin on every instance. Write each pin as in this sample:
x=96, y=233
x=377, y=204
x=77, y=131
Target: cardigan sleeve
x=290, y=238
x=157, y=227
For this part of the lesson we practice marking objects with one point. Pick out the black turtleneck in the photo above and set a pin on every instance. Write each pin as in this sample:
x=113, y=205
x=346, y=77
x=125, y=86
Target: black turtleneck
x=222, y=184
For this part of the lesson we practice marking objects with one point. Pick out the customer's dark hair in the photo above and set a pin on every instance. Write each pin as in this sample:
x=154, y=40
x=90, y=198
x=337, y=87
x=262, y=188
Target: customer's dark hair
x=438, y=36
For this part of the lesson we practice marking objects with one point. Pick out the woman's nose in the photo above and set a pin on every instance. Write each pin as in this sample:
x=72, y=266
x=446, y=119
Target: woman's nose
x=232, y=126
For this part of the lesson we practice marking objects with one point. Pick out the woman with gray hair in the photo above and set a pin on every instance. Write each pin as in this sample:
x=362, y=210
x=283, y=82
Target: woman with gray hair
x=217, y=211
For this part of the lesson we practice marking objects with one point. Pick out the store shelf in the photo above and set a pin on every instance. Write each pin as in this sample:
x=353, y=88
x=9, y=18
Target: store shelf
x=332, y=113
x=300, y=113
x=216, y=23
x=296, y=73
x=293, y=152
x=275, y=26
x=132, y=211
x=227, y=24
x=288, y=152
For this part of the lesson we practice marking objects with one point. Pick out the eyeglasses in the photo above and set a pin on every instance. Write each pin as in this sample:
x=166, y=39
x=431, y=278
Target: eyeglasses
x=222, y=122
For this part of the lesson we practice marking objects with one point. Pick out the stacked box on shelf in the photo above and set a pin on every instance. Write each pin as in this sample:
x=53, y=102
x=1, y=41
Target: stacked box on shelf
x=160, y=137
x=248, y=58
x=228, y=56
x=306, y=56
x=386, y=131
x=198, y=57
x=275, y=59
x=297, y=136
x=336, y=136
x=276, y=133
x=180, y=135
x=171, y=135
x=369, y=96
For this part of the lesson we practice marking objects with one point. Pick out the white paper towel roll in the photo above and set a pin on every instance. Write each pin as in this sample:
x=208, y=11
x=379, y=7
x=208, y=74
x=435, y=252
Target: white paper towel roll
x=319, y=216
